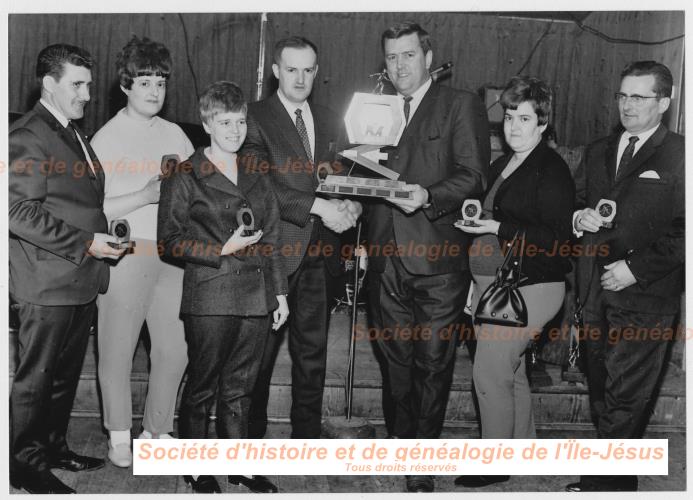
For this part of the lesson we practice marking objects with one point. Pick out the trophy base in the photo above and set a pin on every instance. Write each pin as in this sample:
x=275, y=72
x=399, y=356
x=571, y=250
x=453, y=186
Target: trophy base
x=470, y=223
x=123, y=245
x=364, y=186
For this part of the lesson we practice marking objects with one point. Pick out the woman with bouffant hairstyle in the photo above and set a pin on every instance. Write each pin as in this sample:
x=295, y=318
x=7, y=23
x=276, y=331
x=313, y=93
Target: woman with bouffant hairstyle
x=143, y=287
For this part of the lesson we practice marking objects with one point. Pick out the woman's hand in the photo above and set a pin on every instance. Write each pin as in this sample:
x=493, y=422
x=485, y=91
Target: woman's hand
x=281, y=313
x=151, y=190
x=483, y=226
x=238, y=242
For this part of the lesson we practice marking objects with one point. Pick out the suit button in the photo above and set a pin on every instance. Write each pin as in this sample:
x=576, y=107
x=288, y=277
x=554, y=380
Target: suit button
x=259, y=270
x=312, y=218
x=495, y=207
x=237, y=271
x=227, y=206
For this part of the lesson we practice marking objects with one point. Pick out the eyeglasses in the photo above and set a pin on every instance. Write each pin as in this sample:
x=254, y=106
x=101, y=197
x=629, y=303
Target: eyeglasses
x=635, y=99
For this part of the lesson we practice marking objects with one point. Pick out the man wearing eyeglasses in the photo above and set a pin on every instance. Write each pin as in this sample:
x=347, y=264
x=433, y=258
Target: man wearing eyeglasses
x=630, y=291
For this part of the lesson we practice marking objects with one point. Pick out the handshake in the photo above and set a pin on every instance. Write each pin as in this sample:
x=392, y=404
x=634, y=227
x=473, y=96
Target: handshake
x=337, y=215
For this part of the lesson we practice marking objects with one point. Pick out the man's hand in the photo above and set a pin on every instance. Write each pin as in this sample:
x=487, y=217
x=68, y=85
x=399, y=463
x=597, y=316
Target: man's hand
x=617, y=277
x=100, y=248
x=281, y=313
x=238, y=242
x=354, y=207
x=588, y=220
x=150, y=191
x=419, y=199
x=336, y=214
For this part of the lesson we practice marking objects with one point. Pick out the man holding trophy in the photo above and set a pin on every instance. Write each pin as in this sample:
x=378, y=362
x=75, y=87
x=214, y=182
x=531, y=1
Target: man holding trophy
x=443, y=156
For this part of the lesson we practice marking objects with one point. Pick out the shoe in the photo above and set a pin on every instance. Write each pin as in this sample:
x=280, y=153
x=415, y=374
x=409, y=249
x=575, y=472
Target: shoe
x=203, y=484
x=581, y=487
x=69, y=460
x=577, y=487
x=39, y=482
x=256, y=484
x=148, y=435
x=420, y=484
x=479, y=481
x=120, y=455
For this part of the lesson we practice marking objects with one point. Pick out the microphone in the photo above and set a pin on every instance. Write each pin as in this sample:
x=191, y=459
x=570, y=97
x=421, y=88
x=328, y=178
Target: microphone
x=437, y=73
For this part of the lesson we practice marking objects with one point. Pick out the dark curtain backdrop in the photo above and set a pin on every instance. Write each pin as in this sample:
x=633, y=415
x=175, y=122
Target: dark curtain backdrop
x=486, y=49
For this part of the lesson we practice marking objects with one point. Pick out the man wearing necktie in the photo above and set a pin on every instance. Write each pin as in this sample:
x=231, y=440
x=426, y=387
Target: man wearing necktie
x=634, y=282
x=418, y=261
x=287, y=137
x=57, y=245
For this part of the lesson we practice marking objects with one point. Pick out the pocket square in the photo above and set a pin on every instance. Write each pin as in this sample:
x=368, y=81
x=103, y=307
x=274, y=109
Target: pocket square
x=649, y=174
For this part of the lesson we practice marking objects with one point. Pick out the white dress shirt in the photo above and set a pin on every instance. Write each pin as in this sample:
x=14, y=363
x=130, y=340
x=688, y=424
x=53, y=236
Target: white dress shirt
x=416, y=98
x=642, y=139
x=65, y=123
x=305, y=114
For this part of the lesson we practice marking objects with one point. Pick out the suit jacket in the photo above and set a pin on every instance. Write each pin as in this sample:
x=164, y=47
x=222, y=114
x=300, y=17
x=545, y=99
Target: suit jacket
x=649, y=224
x=197, y=215
x=445, y=148
x=273, y=147
x=55, y=207
x=537, y=198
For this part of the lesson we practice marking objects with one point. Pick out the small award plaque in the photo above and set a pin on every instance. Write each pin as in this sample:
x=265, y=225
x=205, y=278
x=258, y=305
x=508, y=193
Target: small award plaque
x=169, y=164
x=245, y=219
x=121, y=230
x=607, y=211
x=471, y=212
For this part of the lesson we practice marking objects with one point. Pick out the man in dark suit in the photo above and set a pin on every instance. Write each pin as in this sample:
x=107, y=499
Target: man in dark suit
x=287, y=136
x=57, y=242
x=630, y=291
x=419, y=261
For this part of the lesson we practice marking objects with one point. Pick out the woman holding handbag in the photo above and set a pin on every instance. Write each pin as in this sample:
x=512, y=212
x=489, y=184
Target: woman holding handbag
x=526, y=211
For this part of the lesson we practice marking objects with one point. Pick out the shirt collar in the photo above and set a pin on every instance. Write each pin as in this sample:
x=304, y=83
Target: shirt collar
x=642, y=136
x=57, y=114
x=291, y=107
x=418, y=94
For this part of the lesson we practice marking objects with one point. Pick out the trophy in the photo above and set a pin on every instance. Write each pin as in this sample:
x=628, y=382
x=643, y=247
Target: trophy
x=169, y=164
x=607, y=211
x=121, y=230
x=372, y=120
x=245, y=219
x=471, y=212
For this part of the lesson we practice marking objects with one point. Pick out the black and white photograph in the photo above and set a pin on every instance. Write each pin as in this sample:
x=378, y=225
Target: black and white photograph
x=264, y=222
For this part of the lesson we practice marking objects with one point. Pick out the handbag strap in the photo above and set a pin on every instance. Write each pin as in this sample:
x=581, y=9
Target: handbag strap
x=519, y=237
x=519, y=262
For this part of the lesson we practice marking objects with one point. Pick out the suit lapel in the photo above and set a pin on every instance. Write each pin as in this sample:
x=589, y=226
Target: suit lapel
x=286, y=126
x=97, y=178
x=610, y=155
x=414, y=133
x=643, y=154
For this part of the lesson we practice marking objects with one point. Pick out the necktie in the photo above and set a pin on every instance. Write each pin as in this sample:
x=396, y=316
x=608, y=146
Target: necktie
x=407, y=101
x=303, y=133
x=627, y=155
x=73, y=132
x=72, y=128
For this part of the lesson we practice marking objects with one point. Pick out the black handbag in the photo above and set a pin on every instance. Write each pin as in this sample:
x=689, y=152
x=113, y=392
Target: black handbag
x=502, y=303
